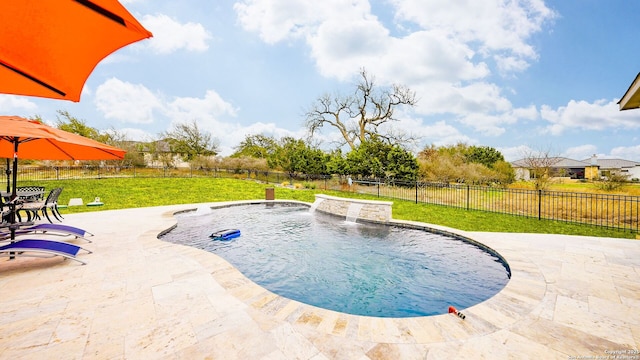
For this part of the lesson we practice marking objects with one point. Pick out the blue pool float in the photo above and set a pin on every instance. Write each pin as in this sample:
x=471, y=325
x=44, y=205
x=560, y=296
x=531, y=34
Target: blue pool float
x=226, y=234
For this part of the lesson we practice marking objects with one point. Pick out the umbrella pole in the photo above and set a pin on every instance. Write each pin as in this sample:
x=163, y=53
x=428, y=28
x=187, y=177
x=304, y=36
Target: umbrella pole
x=14, y=190
x=8, y=172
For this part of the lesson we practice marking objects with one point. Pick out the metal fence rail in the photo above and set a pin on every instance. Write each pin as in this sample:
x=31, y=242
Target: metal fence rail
x=620, y=212
x=604, y=210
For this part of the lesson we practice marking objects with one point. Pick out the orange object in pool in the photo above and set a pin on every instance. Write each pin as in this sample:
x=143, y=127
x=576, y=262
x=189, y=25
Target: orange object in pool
x=48, y=48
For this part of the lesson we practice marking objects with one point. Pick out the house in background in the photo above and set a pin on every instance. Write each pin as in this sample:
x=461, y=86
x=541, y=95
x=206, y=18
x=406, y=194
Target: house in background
x=606, y=167
x=525, y=169
x=588, y=169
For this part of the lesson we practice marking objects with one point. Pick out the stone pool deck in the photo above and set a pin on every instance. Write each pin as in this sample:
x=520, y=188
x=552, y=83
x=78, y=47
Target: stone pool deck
x=142, y=298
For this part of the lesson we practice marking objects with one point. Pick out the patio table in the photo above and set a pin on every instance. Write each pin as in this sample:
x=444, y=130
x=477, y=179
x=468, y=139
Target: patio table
x=25, y=195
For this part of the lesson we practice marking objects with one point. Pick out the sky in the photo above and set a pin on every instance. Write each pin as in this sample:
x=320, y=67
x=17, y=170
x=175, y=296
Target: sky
x=522, y=76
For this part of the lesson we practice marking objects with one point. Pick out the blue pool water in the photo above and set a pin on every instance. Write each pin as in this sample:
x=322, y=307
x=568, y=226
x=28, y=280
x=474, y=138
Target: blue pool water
x=361, y=269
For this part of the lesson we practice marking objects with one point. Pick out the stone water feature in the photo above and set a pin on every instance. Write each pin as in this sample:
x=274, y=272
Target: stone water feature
x=354, y=209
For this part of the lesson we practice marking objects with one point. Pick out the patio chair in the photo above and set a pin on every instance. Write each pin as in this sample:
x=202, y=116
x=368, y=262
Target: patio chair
x=42, y=248
x=34, y=208
x=46, y=229
x=5, y=209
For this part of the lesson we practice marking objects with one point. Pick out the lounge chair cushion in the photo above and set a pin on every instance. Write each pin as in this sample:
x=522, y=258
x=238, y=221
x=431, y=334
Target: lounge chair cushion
x=46, y=247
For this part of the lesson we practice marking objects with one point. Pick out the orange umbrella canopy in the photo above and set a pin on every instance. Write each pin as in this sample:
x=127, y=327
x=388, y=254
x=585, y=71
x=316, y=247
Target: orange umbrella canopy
x=38, y=141
x=48, y=48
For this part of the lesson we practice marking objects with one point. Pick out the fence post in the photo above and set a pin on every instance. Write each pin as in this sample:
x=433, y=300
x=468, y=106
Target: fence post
x=378, y=184
x=539, y=204
x=468, y=195
x=416, y=191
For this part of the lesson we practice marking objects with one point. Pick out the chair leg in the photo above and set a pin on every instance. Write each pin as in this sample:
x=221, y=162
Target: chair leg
x=44, y=210
x=56, y=212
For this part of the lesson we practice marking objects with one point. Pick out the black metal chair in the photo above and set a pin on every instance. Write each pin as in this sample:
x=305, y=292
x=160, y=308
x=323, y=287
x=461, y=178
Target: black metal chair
x=33, y=209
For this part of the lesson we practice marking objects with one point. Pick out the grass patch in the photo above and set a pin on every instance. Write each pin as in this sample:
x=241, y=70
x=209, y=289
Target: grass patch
x=122, y=193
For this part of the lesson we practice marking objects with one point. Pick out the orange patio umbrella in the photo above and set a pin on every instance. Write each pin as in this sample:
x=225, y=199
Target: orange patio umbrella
x=21, y=138
x=29, y=139
x=48, y=48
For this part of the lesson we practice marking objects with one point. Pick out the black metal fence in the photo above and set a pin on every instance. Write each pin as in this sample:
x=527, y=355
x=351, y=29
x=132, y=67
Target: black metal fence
x=620, y=212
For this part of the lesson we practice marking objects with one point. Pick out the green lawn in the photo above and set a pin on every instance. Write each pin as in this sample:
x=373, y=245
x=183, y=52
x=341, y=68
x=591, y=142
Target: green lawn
x=120, y=193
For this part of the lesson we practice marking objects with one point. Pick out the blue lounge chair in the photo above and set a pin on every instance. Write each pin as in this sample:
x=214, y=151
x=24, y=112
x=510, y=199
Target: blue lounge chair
x=42, y=248
x=48, y=229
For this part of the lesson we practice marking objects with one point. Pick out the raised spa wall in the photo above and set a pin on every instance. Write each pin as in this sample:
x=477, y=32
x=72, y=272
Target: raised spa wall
x=369, y=210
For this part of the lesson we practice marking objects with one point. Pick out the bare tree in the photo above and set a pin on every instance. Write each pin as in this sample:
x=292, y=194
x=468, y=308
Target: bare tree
x=189, y=141
x=361, y=116
x=540, y=165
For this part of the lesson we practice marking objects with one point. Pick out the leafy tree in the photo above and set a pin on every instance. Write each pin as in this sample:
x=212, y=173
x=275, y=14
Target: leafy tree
x=484, y=155
x=401, y=165
x=337, y=163
x=504, y=173
x=65, y=121
x=190, y=142
x=257, y=146
x=375, y=158
x=463, y=163
x=296, y=157
x=614, y=181
x=362, y=116
x=133, y=156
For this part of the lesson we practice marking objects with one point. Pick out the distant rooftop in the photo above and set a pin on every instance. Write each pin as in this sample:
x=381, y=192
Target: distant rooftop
x=613, y=163
x=553, y=161
x=563, y=162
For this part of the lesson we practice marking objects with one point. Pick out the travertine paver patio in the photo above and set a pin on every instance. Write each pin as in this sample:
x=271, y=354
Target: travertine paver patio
x=142, y=298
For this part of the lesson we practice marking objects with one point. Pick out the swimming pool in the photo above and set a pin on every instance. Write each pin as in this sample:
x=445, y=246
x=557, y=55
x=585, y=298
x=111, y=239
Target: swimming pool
x=361, y=269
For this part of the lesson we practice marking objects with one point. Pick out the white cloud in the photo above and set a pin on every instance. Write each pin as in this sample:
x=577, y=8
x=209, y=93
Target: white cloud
x=626, y=152
x=583, y=115
x=510, y=64
x=439, y=133
x=498, y=26
x=236, y=133
x=446, y=53
x=580, y=152
x=169, y=35
x=126, y=102
x=210, y=106
x=135, y=134
x=516, y=152
x=11, y=102
x=134, y=103
x=442, y=134
x=278, y=20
